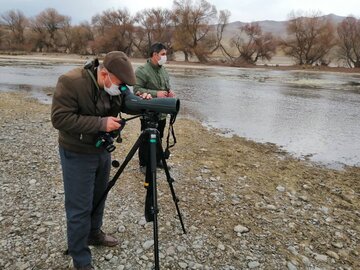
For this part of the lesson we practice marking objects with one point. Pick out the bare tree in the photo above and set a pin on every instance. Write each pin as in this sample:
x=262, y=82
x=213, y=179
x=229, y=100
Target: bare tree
x=182, y=35
x=38, y=36
x=251, y=44
x=309, y=38
x=2, y=36
x=83, y=36
x=115, y=31
x=46, y=25
x=78, y=38
x=16, y=23
x=193, y=25
x=67, y=35
x=223, y=21
x=349, y=41
x=155, y=26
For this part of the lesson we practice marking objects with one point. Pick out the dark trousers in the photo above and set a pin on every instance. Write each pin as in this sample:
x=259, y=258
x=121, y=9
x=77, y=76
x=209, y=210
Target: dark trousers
x=144, y=145
x=85, y=179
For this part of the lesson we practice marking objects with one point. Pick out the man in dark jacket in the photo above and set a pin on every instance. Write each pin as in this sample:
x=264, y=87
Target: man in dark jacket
x=87, y=101
x=152, y=78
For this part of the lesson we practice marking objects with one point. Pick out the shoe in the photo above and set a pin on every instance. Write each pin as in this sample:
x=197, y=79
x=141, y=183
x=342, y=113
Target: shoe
x=143, y=169
x=88, y=267
x=99, y=238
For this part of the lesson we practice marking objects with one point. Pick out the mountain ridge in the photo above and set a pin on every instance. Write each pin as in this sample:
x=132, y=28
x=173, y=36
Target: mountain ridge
x=277, y=28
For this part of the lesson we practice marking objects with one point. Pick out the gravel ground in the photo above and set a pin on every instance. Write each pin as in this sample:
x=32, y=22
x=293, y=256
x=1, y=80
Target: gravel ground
x=245, y=205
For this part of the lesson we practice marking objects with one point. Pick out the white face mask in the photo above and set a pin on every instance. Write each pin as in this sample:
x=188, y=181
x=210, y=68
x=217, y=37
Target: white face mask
x=162, y=60
x=113, y=90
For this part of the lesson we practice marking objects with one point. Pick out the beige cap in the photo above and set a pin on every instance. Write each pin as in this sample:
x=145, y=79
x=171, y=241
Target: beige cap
x=119, y=64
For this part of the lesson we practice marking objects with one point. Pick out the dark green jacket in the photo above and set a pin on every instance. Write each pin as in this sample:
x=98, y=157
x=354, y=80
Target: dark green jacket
x=151, y=78
x=76, y=113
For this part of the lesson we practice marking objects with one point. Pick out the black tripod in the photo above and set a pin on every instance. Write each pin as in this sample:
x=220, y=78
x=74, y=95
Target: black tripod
x=151, y=208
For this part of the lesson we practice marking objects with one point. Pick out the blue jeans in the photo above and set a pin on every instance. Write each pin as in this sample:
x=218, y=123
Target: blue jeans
x=85, y=179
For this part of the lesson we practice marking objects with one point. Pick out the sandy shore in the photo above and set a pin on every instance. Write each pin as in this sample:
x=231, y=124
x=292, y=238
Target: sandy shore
x=245, y=205
x=80, y=59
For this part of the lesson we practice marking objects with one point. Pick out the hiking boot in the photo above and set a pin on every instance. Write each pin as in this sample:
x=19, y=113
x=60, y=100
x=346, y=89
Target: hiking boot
x=88, y=267
x=99, y=238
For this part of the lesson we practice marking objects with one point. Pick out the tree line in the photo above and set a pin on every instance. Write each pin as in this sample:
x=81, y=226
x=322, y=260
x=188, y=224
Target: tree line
x=194, y=28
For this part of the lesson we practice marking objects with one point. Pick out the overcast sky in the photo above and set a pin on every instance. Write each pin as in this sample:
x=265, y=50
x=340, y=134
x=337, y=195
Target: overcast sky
x=241, y=10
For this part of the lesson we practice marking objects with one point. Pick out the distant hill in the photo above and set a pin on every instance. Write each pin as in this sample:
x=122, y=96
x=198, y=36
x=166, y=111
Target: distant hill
x=277, y=28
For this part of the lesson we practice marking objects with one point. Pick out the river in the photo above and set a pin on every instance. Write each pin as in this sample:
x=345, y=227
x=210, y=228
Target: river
x=309, y=114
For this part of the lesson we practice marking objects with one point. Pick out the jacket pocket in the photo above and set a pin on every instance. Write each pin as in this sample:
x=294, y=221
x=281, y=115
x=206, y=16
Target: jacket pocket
x=88, y=138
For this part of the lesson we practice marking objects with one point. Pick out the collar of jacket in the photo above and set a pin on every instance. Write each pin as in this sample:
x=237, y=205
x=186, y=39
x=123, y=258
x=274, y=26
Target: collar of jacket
x=157, y=67
x=94, y=79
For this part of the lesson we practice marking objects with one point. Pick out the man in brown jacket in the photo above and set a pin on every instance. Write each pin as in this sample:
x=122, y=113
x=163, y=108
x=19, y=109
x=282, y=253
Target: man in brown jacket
x=87, y=101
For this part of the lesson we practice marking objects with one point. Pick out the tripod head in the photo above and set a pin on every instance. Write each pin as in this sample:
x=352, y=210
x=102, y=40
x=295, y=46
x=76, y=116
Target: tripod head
x=151, y=119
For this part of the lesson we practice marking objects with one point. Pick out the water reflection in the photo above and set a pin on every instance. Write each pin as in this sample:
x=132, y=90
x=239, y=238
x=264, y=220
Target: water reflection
x=39, y=79
x=307, y=113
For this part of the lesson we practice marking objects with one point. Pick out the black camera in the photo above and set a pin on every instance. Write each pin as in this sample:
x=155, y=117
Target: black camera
x=106, y=140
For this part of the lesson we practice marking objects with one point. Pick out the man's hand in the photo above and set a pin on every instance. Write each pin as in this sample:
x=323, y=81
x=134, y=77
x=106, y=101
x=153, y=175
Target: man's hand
x=110, y=123
x=171, y=94
x=162, y=94
x=143, y=95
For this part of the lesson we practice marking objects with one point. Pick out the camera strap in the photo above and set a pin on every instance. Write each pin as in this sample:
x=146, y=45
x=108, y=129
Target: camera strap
x=172, y=131
x=91, y=66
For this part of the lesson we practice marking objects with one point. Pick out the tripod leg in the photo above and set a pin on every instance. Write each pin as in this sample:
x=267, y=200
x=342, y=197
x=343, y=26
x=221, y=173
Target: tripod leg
x=153, y=138
x=120, y=170
x=170, y=180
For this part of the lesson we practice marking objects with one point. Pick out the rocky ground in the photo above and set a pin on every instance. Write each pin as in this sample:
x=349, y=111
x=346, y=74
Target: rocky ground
x=245, y=205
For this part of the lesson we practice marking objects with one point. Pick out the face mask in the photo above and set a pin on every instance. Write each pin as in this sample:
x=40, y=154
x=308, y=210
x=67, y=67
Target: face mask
x=113, y=90
x=162, y=60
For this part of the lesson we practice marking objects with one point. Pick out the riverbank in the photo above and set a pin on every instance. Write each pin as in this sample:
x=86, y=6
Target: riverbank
x=244, y=204
x=81, y=59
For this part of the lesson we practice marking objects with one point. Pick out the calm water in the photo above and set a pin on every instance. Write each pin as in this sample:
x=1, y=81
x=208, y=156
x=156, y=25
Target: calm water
x=308, y=114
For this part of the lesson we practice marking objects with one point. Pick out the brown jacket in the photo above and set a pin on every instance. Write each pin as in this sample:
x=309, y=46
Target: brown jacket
x=77, y=109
